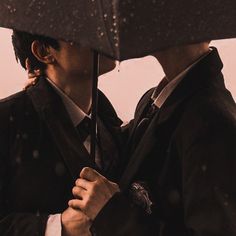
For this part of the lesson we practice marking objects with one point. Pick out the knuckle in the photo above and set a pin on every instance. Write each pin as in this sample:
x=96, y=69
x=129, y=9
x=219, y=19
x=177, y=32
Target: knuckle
x=92, y=193
x=99, y=182
x=77, y=182
x=84, y=205
x=72, y=203
x=74, y=190
x=95, y=187
x=93, y=184
x=85, y=169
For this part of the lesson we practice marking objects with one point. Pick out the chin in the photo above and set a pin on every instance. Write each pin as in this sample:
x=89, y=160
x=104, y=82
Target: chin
x=106, y=65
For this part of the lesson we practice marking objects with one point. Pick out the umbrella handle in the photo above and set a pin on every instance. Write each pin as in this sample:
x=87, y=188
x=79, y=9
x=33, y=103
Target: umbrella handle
x=94, y=104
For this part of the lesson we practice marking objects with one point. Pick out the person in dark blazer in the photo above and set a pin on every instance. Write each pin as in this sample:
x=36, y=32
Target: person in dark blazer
x=180, y=175
x=42, y=146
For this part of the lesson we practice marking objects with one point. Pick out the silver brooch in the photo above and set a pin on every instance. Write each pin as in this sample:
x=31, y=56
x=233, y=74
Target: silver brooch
x=141, y=196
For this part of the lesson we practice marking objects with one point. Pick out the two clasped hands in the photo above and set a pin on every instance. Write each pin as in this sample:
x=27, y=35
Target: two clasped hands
x=91, y=193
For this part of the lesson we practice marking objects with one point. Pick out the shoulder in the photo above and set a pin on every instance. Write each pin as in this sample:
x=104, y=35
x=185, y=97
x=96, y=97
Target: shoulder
x=10, y=109
x=106, y=111
x=214, y=105
x=14, y=98
x=210, y=113
x=12, y=104
x=144, y=99
x=8, y=102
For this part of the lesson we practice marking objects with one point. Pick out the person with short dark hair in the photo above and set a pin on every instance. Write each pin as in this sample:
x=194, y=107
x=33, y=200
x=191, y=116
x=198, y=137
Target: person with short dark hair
x=22, y=43
x=180, y=178
x=45, y=139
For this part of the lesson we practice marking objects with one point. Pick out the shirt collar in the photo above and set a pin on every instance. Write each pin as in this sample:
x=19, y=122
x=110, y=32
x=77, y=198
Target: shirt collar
x=74, y=111
x=159, y=99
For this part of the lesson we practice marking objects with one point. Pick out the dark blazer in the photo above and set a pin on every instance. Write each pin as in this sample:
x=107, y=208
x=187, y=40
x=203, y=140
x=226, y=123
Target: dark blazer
x=41, y=155
x=187, y=160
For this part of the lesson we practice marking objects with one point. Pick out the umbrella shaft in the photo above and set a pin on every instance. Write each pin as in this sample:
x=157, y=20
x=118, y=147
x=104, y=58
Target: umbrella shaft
x=94, y=104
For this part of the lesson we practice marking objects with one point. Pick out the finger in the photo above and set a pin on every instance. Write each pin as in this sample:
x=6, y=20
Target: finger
x=76, y=204
x=83, y=183
x=37, y=72
x=79, y=192
x=34, y=74
x=29, y=83
x=27, y=64
x=31, y=76
x=90, y=174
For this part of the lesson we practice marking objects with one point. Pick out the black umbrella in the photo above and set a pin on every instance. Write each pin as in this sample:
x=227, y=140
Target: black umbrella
x=122, y=29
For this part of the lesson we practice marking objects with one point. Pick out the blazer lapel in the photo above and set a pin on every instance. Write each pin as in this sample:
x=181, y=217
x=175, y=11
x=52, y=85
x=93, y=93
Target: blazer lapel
x=149, y=141
x=51, y=109
x=197, y=78
x=139, y=114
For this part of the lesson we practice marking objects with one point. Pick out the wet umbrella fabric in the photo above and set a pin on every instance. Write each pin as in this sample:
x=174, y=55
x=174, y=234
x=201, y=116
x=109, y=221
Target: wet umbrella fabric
x=123, y=29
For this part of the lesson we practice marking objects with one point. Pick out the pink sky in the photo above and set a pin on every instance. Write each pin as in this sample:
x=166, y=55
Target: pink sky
x=123, y=87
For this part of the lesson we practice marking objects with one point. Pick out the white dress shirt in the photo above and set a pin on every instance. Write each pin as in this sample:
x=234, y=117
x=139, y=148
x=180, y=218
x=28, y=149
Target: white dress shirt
x=53, y=227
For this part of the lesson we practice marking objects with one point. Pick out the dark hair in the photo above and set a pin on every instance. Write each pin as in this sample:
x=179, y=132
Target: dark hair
x=22, y=42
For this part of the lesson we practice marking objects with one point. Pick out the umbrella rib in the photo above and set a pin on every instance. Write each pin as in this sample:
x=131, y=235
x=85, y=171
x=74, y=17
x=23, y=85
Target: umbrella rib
x=109, y=39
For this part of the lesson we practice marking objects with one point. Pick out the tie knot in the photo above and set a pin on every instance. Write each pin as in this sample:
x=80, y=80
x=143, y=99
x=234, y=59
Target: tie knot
x=84, y=128
x=152, y=110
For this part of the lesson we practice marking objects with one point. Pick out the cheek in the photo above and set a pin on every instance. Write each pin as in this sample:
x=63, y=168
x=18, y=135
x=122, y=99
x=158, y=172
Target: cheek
x=83, y=63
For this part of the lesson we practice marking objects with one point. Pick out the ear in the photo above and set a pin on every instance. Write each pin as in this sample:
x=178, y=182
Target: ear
x=42, y=52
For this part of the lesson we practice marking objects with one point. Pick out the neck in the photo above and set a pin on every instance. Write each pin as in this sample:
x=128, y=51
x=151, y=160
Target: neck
x=176, y=59
x=79, y=90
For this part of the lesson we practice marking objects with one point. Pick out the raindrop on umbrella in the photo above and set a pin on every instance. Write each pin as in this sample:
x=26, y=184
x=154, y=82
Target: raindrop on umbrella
x=35, y=154
x=18, y=159
x=60, y=169
x=118, y=66
x=11, y=118
x=124, y=20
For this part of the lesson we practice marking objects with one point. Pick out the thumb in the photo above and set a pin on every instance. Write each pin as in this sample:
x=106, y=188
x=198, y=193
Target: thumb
x=113, y=186
x=90, y=174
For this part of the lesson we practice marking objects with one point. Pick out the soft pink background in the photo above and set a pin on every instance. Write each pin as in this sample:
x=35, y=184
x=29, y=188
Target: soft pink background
x=124, y=86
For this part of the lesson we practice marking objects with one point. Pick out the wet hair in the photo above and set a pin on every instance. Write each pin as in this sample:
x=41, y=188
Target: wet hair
x=22, y=42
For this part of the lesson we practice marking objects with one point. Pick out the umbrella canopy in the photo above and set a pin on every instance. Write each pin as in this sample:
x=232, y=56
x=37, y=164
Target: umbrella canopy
x=123, y=29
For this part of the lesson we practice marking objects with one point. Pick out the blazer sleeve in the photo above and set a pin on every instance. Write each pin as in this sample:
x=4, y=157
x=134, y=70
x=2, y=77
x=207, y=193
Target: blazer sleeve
x=209, y=178
x=12, y=223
